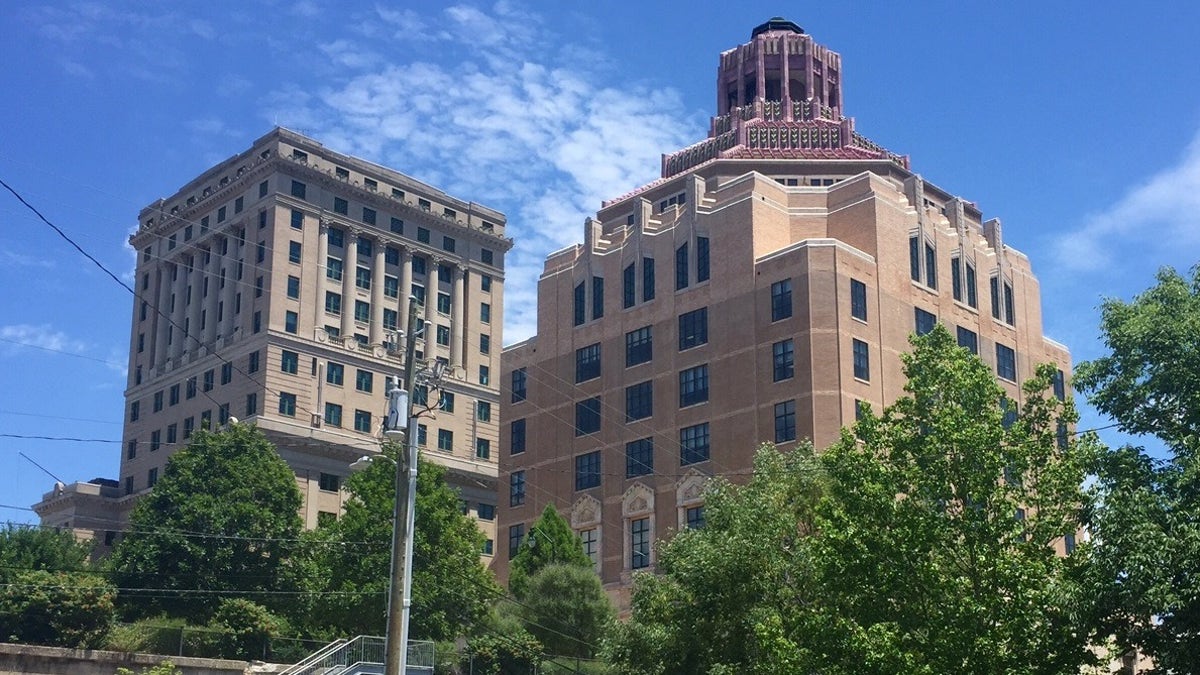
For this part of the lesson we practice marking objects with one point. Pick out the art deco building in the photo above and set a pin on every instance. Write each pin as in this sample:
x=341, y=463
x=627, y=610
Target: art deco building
x=272, y=289
x=760, y=290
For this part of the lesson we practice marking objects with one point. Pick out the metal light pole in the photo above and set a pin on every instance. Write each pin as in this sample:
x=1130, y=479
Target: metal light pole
x=400, y=417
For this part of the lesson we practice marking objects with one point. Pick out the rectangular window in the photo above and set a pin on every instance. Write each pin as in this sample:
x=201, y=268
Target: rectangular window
x=968, y=339
x=362, y=277
x=914, y=258
x=131, y=449
x=443, y=335
x=580, y=304
x=362, y=311
x=931, y=279
x=391, y=287
x=701, y=259
x=587, y=470
x=251, y=404
x=189, y=425
x=341, y=206
x=972, y=296
x=639, y=543
x=785, y=421
x=262, y=189
x=956, y=286
x=1060, y=385
x=695, y=517
x=155, y=440
x=486, y=511
x=782, y=360
x=483, y=448
x=639, y=457
x=518, y=385
x=923, y=321
x=629, y=286
x=647, y=279
x=447, y=402
x=364, y=246
x=152, y=477
x=781, y=300
x=287, y=405
x=591, y=544
x=639, y=401
x=294, y=252
x=1006, y=362
x=329, y=482
x=364, y=380
x=158, y=401
x=639, y=346
x=448, y=244
x=209, y=379
x=516, y=535
x=443, y=303
x=422, y=435
x=391, y=319
x=337, y=238
x=485, y=283
x=681, y=267
x=362, y=421
x=693, y=385
x=290, y=322
x=597, y=297
x=297, y=219
x=484, y=375
x=252, y=362
x=221, y=214
x=487, y=256
x=862, y=360
x=333, y=268
x=485, y=344
x=693, y=328
x=485, y=312
x=693, y=444
x=858, y=300
x=333, y=415
x=587, y=416
x=516, y=488
x=335, y=373
x=368, y=216
x=173, y=395
x=397, y=226
x=587, y=363
x=516, y=437
x=1009, y=311
x=293, y=287
x=422, y=235
x=333, y=303
x=483, y=411
x=994, y=287
x=226, y=373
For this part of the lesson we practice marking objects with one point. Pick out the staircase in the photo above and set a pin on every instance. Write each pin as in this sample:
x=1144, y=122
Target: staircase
x=362, y=655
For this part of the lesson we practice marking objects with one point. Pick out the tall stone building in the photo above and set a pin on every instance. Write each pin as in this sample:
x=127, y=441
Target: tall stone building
x=273, y=288
x=760, y=290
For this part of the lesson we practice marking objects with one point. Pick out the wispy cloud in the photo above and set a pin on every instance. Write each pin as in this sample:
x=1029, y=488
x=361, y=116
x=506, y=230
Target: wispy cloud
x=43, y=336
x=509, y=122
x=1156, y=218
x=14, y=259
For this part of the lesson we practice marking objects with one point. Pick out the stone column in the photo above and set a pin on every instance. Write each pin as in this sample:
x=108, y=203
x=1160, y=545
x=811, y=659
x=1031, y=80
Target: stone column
x=349, y=270
x=214, y=294
x=377, y=296
x=785, y=87
x=431, y=290
x=405, y=293
x=457, y=326
x=179, y=313
x=195, y=336
x=760, y=76
x=228, y=322
x=162, y=312
x=318, y=299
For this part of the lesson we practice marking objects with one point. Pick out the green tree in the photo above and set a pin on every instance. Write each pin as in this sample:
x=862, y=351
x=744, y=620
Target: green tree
x=223, y=519
x=1146, y=529
x=936, y=550
x=729, y=597
x=551, y=540
x=922, y=542
x=502, y=646
x=56, y=608
x=452, y=590
x=29, y=548
x=566, y=609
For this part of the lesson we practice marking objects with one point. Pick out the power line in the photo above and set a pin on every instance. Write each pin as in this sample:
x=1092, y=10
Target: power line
x=62, y=351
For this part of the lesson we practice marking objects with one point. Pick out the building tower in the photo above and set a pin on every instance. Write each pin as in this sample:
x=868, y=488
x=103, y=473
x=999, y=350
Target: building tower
x=271, y=289
x=760, y=290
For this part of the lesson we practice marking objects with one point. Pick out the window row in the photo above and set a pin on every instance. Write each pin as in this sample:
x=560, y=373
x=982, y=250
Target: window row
x=638, y=534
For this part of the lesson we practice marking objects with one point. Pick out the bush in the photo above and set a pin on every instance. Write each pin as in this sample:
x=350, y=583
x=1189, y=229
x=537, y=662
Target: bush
x=56, y=609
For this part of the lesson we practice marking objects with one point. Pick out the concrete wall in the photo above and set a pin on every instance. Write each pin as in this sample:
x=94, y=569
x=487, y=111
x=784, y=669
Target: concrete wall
x=35, y=660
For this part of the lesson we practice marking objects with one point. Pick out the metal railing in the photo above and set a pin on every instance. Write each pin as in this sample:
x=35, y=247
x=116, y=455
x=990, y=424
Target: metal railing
x=363, y=654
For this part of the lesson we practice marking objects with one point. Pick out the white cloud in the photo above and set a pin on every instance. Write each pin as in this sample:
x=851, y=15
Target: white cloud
x=1158, y=216
x=41, y=337
x=14, y=259
x=509, y=122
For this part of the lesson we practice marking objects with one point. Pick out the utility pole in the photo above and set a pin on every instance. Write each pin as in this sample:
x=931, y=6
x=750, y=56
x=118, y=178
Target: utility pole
x=400, y=417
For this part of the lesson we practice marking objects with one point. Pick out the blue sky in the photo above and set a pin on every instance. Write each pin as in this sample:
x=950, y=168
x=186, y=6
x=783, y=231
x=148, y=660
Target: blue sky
x=1077, y=124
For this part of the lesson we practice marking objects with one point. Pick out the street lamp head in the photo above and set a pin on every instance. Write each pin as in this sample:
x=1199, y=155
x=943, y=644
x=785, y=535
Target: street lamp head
x=360, y=464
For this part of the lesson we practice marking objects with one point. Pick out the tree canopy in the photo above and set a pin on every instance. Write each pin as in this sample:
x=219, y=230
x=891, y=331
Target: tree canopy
x=1146, y=528
x=922, y=542
x=451, y=588
x=551, y=540
x=221, y=521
